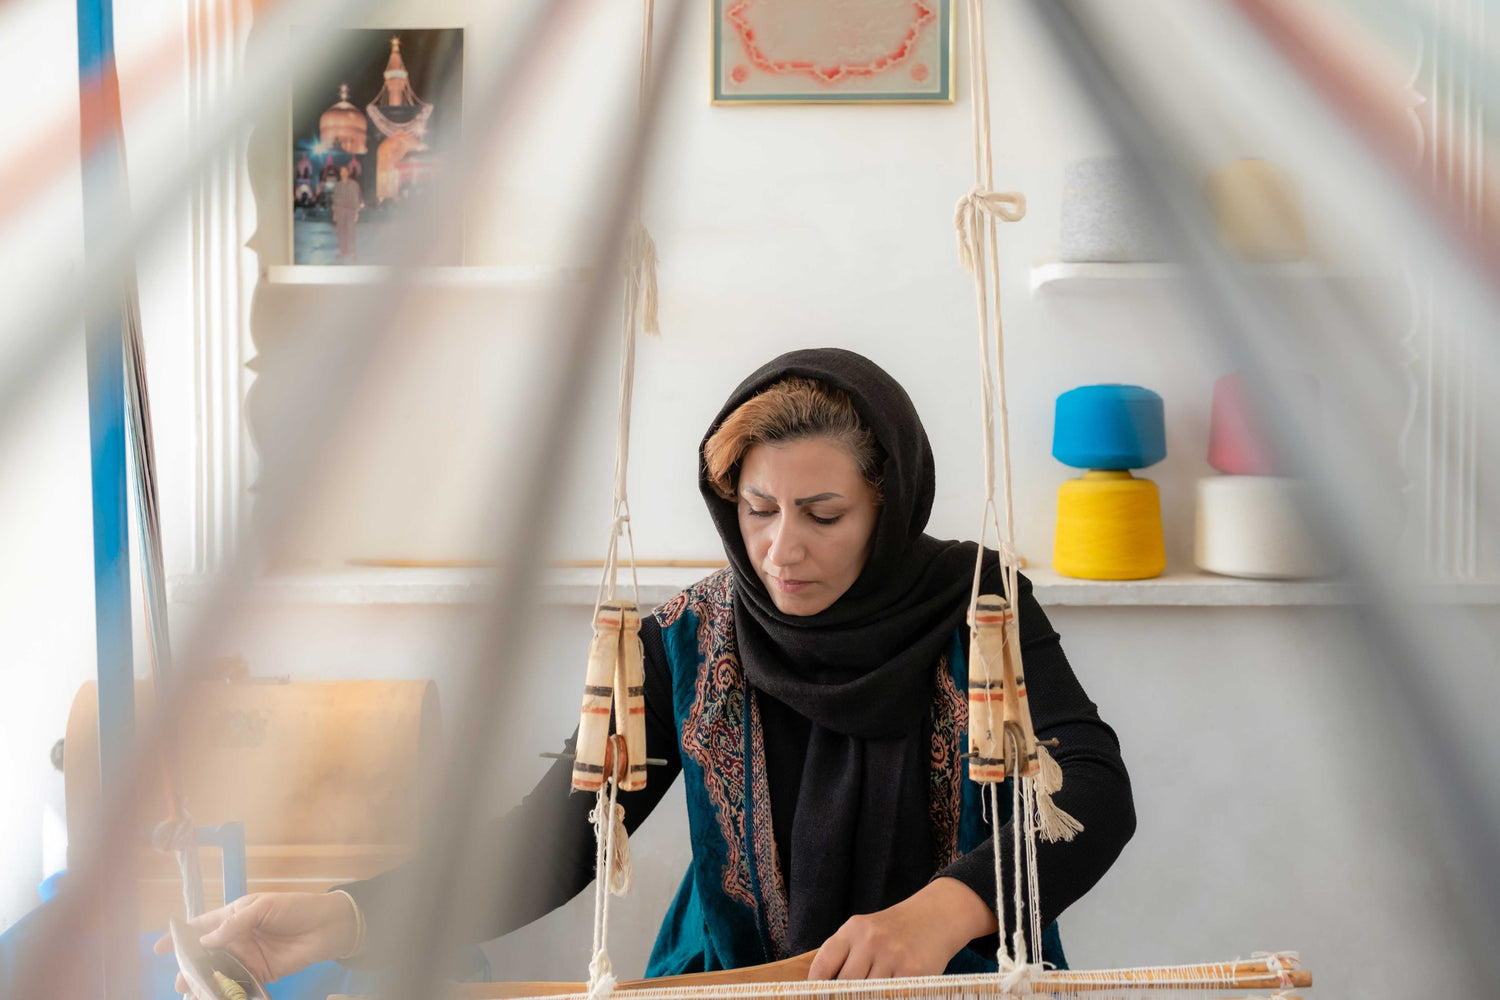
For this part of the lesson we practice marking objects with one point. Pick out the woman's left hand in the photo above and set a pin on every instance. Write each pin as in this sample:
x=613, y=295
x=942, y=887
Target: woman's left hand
x=916, y=937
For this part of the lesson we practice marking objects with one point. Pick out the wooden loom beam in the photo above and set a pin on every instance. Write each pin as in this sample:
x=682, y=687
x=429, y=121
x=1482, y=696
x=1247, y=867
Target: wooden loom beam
x=1253, y=975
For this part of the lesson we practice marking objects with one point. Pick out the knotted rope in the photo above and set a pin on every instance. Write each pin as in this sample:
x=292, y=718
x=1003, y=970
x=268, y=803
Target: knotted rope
x=974, y=220
x=613, y=876
x=613, y=873
x=973, y=210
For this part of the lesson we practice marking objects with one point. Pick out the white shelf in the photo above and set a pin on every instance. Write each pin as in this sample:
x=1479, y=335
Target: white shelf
x=427, y=277
x=1058, y=277
x=432, y=586
x=1184, y=590
x=577, y=587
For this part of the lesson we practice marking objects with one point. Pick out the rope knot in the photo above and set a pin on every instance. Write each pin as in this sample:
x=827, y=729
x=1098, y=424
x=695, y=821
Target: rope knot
x=601, y=977
x=1015, y=977
x=972, y=210
x=1280, y=964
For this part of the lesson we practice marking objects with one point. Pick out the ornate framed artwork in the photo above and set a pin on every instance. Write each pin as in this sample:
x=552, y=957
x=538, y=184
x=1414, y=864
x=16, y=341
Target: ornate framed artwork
x=372, y=132
x=832, y=51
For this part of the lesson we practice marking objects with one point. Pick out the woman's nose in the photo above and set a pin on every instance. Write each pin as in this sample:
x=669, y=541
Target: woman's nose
x=786, y=543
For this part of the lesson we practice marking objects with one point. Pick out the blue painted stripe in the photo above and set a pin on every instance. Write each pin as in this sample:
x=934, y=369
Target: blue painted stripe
x=103, y=196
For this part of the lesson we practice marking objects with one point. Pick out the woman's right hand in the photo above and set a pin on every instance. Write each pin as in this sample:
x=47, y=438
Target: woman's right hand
x=277, y=933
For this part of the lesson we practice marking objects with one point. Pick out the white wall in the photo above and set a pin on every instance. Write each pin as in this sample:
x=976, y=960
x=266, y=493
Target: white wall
x=46, y=595
x=1265, y=822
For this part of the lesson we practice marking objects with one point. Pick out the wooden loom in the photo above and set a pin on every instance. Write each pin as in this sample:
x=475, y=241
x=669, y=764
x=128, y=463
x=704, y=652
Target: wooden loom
x=1002, y=742
x=788, y=978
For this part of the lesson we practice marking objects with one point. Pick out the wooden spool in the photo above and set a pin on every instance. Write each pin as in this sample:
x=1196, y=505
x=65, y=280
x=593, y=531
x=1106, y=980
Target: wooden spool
x=1001, y=738
x=325, y=775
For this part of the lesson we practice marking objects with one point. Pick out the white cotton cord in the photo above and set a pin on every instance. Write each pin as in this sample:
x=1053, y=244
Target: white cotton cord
x=640, y=312
x=1002, y=958
x=1018, y=864
x=974, y=220
x=1034, y=897
x=605, y=819
x=613, y=873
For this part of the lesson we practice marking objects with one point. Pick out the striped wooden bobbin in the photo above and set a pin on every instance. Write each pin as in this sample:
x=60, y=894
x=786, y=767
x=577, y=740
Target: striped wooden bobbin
x=614, y=685
x=1001, y=740
x=630, y=698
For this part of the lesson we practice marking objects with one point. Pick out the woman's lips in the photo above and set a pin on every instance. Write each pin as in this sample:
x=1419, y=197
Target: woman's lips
x=790, y=586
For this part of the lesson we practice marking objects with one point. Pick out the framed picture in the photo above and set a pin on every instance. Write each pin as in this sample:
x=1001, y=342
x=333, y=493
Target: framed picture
x=832, y=51
x=372, y=134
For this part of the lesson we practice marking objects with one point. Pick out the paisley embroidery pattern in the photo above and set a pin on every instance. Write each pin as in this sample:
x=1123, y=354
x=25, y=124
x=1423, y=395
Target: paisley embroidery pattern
x=950, y=720
x=767, y=858
x=668, y=613
x=713, y=734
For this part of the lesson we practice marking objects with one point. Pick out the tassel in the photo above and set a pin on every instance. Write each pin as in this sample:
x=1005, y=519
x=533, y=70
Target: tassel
x=1052, y=823
x=1051, y=777
x=621, y=874
x=649, y=308
x=640, y=273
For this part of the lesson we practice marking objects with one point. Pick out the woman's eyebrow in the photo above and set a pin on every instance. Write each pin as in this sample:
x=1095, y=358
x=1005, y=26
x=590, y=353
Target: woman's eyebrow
x=798, y=502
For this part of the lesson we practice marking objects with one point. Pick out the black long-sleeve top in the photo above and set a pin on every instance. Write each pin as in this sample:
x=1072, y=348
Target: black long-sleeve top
x=542, y=852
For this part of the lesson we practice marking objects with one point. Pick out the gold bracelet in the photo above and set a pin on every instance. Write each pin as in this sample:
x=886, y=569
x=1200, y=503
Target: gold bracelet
x=359, y=927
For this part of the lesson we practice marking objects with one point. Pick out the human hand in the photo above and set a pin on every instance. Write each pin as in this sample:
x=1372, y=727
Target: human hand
x=916, y=937
x=276, y=933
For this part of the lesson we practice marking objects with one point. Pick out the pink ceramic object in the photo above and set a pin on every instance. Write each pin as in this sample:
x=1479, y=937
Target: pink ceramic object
x=1236, y=443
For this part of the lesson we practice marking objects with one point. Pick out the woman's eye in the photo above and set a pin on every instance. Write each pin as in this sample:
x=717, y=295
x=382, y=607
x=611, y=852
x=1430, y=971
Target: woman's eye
x=825, y=520
x=760, y=513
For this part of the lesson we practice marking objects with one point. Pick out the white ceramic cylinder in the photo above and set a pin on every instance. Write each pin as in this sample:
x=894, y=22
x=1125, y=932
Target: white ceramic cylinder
x=1252, y=526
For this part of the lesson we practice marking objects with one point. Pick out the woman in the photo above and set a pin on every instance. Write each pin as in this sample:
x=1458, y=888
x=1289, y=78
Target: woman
x=347, y=199
x=812, y=697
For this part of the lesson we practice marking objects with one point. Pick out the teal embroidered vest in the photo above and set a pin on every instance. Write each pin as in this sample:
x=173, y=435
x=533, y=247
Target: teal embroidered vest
x=731, y=909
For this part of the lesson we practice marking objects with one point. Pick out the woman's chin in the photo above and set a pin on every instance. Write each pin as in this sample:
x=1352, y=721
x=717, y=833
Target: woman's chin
x=803, y=604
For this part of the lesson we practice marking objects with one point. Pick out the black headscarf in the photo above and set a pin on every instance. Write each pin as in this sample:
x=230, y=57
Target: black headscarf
x=861, y=671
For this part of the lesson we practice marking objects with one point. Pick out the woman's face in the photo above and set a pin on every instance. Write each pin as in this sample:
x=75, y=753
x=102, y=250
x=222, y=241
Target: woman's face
x=806, y=516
